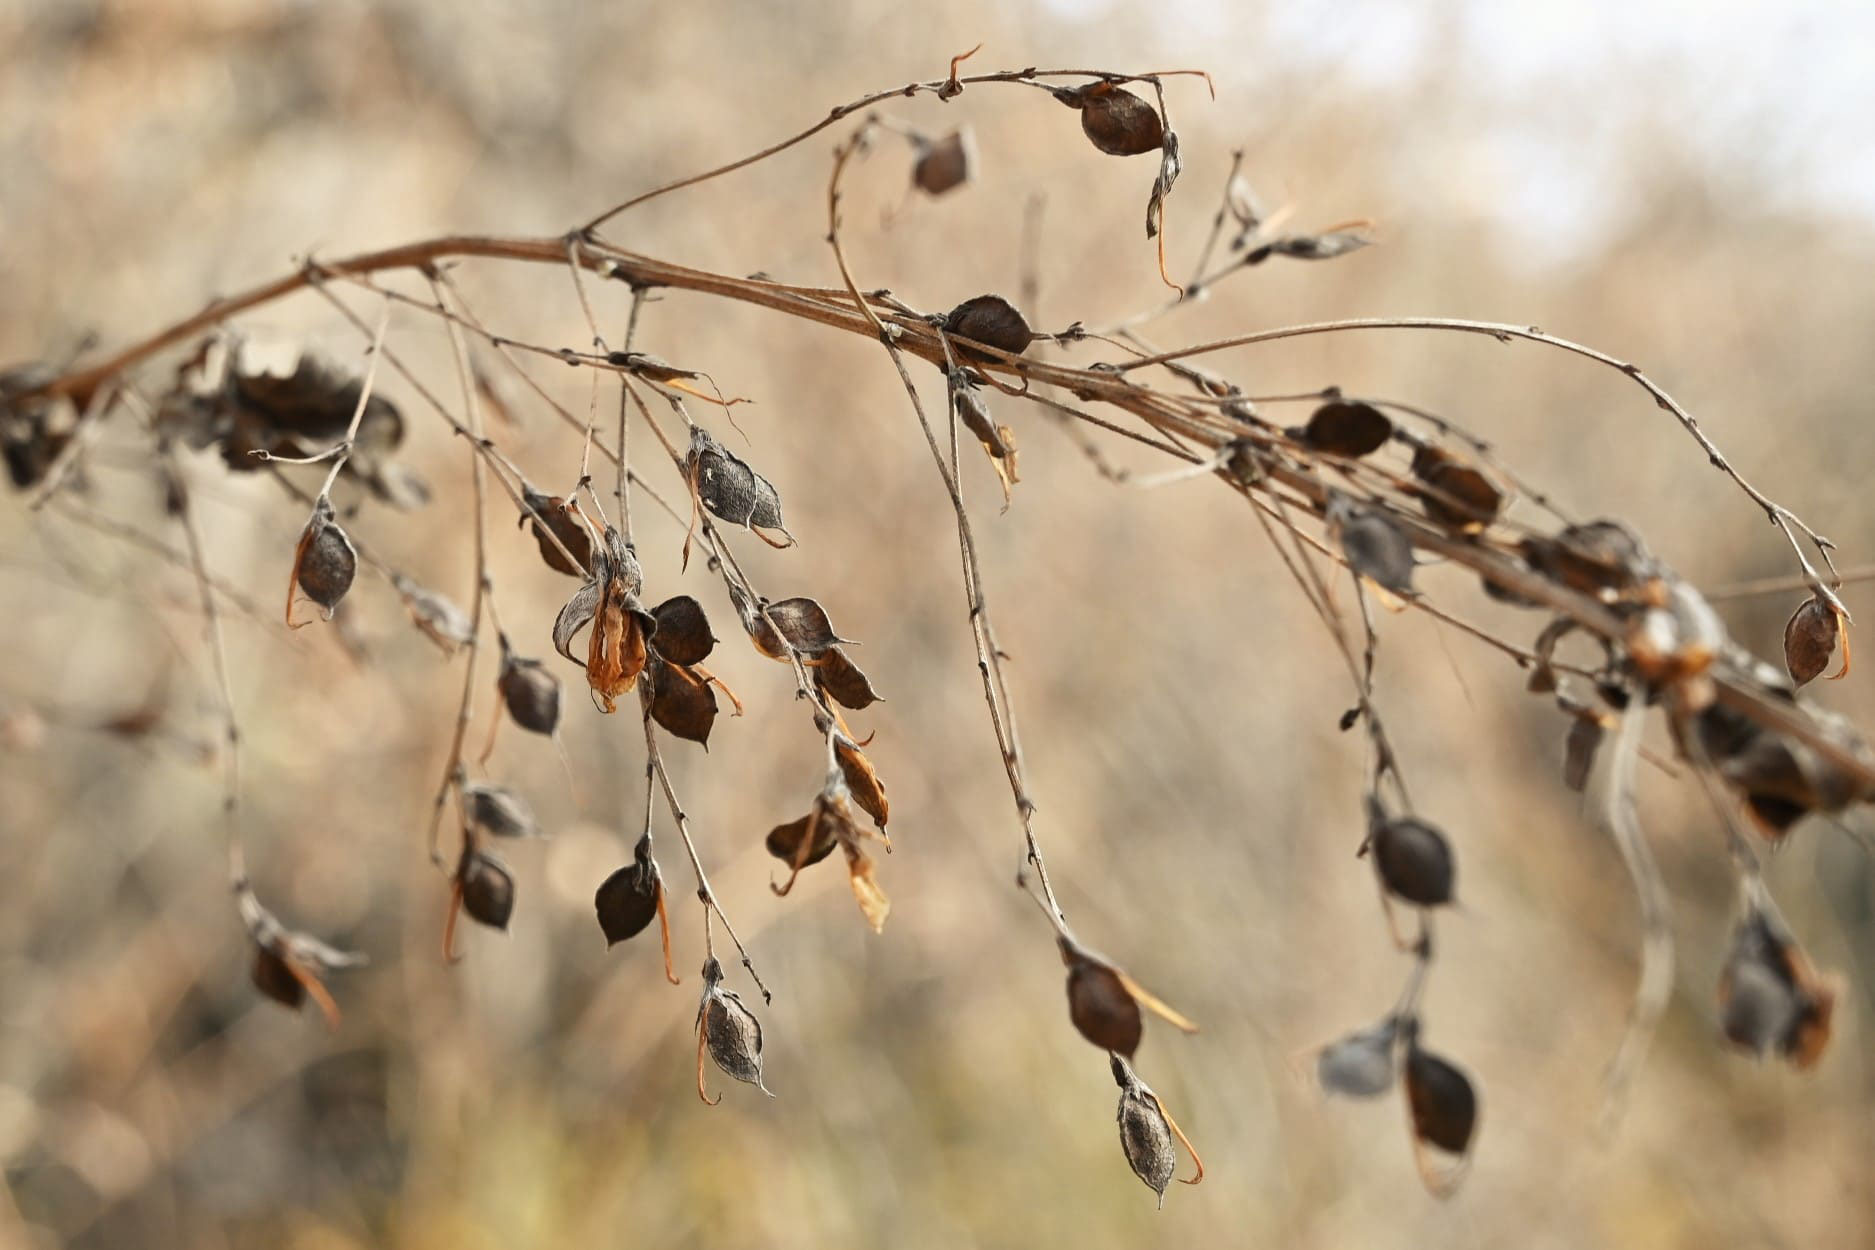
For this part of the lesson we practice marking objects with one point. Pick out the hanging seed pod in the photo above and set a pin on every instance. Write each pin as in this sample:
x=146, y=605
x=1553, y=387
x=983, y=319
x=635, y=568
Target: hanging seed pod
x=799, y=624
x=1345, y=428
x=1360, y=1065
x=1458, y=495
x=1373, y=546
x=946, y=163
x=997, y=440
x=1585, y=737
x=1145, y=1136
x=1810, y=640
x=1117, y=122
x=273, y=978
x=499, y=810
x=730, y=489
x=566, y=523
x=681, y=701
x=530, y=693
x=324, y=563
x=1414, y=861
x=655, y=368
x=441, y=621
x=629, y=899
x=729, y=1031
x=862, y=780
x=1324, y=246
x=992, y=321
x=683, y=633
x=1769, y=995
x=1443, y=1103
x=1100, y=1006
x=1600, y=558
x=487, y=888
x=802, y=843
x=287, y=964
x=842, y=680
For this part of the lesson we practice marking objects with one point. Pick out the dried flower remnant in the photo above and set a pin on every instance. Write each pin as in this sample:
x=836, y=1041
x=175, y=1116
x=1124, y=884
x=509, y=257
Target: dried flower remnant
x=1770, y=997
x=288, y=965
x=1345, y=428
x=1115, y=120
x=1147, y=1132
x=1104, y=1002
x=324, y=562
x=499, y=811
x=621, y=628
x=730, y=1033
x=529, y=692
x=563, y=521
x=1360, y=1065
x=945, y=163
x=992, y=321
x=1810, y=638
x=728, y=488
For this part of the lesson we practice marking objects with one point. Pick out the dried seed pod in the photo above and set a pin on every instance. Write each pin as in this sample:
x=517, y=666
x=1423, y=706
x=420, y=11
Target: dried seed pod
x=997, y=440
x=1414, y=861
x=1324, y=246
x=802, y=843
x=1099, y=1004
x=487, y=888
x=567, y=523
x=1374, y=547
x=1345, y=428
x=645, y=365
x=629, y=899
x=681, y=701
x=530, y=693
x=499, y=811
x=324, y=563
x=842, y=680
x=1770, y=996
x=799, y=624
x=1117, y=122
x=873, y=903
x=1458, y=495
x=441, y=621
x=992, y=321
x=683, y=633
x=1810, y=640
x=288, y=964
x=946, y=163
x=729, y=488
x=862, y=780
x=1145, y=1136
x=729, y=1031
x=1585, y=736
x=1600, y=558
x=276, y=980
x=1443, y=1103
x=1360, y=1065
x=1170, y=166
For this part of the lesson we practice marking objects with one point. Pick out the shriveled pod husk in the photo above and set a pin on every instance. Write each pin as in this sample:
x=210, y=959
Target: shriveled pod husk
x=1459, y=495
x=1115, y=120
x=1810, y=638
x=726, y=486
x=487, y=889
x=499, y=811
x=563, y=520
x=1147, y=1132
x=325, y=561
x=1345, y=427
x=1770, y=997
x=529, y=692
x=730, y=1033
x=992, y=321
x=1360, y=1065
x=945, y=163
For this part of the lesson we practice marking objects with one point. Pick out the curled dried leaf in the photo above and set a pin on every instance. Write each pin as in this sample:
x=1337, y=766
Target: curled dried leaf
x=992, y=321
x=619, y=646
x=288, y=964
x=1115, y=120
x=1810, y=640
x=1345, y=428
x=945, y=163
x=1360, y=1065
x=499, y=811
x=801, y=844
x=325, y=562
x=842, y=680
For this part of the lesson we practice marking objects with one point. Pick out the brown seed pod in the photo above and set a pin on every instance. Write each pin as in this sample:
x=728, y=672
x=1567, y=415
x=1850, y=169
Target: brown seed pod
x=324, y=563
x=1145, y=1137
x=1099, y=1003
x=1443, y=1103
x=1414, y=861
x=487, y=888
x=499, y=811
x=729, y=1031
x=802, y=843
x=681, y=701
x=992, y=321
x=273, y=978
x=629, y=899
x=1770, y=996
x=530, y=693
x=862, y=780
x=867, y=892
x=1810, y=640
x=1360, y=1065
x=729, y=488
x=1600, y=558
x=1457, y=494
x=842, y=680
x=1345, y=428
x=944, y=164
x=567, y=523
x=997, y=440
x=800, y=624
x=288, y=964
x=683, y=631
x=1117, y=122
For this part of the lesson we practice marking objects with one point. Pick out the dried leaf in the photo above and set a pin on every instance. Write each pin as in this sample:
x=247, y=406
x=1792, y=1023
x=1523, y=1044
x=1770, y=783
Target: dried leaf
x=683, y=631
x=945, y=163
x=324, y=563
x=873, y=904
x=842, y=680
x=1414, y=861
x=801, y=844
x=1118, y=122
x=575, y=616
x=1810, y=640
x=1457, y=495
x=681, y=701
x=1345, y=428
x=992, y=321
x=499, y=811
x=1360, y=1065
x=630, y=898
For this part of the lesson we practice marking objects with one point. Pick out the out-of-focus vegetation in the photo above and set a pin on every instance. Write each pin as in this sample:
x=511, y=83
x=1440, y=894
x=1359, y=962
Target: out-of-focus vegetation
x=1179, y=704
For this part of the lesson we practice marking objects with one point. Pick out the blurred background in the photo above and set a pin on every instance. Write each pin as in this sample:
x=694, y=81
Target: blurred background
x=1685, y=186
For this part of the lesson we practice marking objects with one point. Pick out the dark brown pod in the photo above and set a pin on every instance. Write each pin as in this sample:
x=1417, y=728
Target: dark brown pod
x=1443, y=1103
x=275, y=979
x=499, y=811
x=729, y=1031
x=1769, y=995
x=627, y=901
x=1458, y=495
x=944, y=164
x=787, y=843
x=325, y=563
x=1099, y=1004
x=1115, y=120
x=487, y=889
x=1596, y=557
x=1810, y=640
x=729, y=488
x=683, y=631
x=681, y=701
x=1414, y=861
x=862, y=780
x=1346, y=428
x=529, y=692
x=992, y=321
x=799, y=623
x=843, y=681
x=564, y=519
